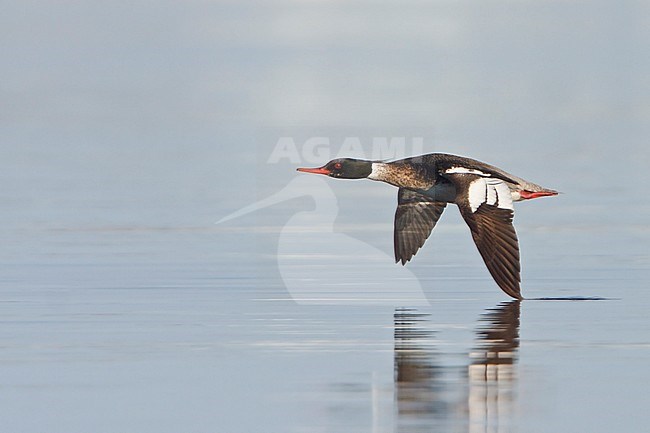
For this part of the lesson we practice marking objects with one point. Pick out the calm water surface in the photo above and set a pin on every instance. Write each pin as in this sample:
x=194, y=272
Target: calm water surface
x=127, y=130
x=156, y=326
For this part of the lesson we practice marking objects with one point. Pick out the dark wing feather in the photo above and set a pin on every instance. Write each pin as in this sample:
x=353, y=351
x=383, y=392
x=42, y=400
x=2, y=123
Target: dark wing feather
x=496, y=240
x=415, y=217
x=494, y=236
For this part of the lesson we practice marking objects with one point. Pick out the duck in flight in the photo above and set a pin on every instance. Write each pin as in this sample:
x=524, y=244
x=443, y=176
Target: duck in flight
x=483, y=193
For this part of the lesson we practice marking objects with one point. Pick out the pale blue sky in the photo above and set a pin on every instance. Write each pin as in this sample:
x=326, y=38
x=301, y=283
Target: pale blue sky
x=461, y=67
x=185, y=93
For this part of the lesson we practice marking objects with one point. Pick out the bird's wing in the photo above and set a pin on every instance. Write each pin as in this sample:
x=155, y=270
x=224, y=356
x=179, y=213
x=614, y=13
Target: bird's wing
x=486, y=205
x=415, y=217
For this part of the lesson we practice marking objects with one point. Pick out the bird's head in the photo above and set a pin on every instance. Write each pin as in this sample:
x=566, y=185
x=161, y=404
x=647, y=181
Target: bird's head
x=343, y=168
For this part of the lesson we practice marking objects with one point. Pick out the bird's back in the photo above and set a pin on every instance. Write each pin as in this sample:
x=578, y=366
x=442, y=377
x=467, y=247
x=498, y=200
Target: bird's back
x=441, y=162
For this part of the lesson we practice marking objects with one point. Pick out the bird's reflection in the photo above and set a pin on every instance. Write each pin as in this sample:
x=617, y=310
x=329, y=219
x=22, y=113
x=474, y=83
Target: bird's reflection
x=434, y=388
x=415, y=370
x=492, y=373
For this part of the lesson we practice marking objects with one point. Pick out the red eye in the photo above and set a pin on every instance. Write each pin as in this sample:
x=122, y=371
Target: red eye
x=338, y=166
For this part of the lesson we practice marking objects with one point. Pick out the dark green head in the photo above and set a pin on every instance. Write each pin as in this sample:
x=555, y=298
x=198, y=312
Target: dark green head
x=343, y=168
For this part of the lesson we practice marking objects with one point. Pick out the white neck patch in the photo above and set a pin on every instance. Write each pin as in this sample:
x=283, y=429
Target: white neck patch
x=379, y=171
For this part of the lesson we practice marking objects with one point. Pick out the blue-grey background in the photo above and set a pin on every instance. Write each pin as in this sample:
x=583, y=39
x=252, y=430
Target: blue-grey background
x=128, y=128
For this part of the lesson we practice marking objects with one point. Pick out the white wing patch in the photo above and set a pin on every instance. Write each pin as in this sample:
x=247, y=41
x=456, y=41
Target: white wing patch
x=465, y=170
x=494, y=192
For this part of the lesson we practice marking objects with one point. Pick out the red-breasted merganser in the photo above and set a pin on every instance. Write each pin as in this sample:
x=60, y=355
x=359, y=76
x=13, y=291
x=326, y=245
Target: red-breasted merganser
x=483, y=193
